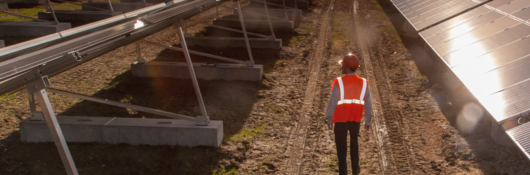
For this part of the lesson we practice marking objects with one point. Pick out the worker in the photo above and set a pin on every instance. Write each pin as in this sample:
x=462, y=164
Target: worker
x=350, y=96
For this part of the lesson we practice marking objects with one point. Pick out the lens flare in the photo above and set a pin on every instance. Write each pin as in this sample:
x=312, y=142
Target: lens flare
x=469, y=117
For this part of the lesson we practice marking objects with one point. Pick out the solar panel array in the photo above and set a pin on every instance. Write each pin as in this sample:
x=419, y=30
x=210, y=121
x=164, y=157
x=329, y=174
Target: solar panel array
x=486, y=45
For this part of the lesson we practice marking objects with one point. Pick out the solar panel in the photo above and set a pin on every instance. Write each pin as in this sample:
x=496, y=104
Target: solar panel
x=488, y=49
x=486, y=52
x=520, y=136
x=423, y=13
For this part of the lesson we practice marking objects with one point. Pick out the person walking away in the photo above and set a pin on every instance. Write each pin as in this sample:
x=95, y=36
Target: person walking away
x=350, y=96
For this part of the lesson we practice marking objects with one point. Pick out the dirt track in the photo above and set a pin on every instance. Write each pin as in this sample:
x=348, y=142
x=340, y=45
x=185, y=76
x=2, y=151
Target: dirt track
x=276, y=126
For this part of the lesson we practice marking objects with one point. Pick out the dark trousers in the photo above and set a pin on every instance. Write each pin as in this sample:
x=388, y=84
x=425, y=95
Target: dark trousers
x=341, y=135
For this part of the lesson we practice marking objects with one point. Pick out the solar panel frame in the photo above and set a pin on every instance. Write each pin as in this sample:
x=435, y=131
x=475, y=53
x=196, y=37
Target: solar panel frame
x=520, y=135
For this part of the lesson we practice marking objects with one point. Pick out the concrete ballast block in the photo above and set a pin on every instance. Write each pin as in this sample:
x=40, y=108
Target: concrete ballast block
x=134, y=131
x=232, y=42
x=180, y=70
x=78, y=15
x=2, y=43
x=122, y=7
x=255, y=24
x=13, y=28
x=250, y=13
x=4, y=6
x=299, y=3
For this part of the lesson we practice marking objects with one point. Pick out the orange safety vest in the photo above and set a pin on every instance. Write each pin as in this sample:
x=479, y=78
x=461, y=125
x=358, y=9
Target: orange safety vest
x=351, y=101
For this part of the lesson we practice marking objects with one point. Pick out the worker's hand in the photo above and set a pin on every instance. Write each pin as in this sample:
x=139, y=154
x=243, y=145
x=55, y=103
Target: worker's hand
x=330, y=126
x=366, y=128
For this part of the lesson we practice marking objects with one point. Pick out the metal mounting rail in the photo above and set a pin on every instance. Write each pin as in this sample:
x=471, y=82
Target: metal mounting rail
x=55, y=59
x=123, y=105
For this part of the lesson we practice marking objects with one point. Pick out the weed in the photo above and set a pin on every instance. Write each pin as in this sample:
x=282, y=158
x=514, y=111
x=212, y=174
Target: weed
x=223, y=171
x=422, y=78
x=396, y=37
x=202, y=32
x=363, y=162
x=330, y=165
x=374, y=1
x=377, y=7
x=293, y=41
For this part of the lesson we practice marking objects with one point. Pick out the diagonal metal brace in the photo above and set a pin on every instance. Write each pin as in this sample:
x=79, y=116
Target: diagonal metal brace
x=38, y=88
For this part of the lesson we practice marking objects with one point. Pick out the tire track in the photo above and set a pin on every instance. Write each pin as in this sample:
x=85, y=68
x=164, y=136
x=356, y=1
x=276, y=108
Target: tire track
x=297, y=138
x=396, y=149
x=379, y=128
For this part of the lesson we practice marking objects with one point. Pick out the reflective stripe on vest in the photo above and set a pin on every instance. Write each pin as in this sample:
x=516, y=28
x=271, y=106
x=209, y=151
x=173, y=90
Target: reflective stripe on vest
x=351, y=101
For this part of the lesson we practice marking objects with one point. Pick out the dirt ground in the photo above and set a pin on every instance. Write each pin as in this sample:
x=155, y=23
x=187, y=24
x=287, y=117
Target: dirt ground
x=277, y=125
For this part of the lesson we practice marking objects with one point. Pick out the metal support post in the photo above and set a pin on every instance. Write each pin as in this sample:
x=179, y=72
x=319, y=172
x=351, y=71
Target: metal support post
x=38, y=88
x=284, y=10
x=251, y=63
x=203, y=120
x=53, y=13
x=139, y=58
x=268, y=18
x=110, y=5
x=185, y=26
x=216, y=12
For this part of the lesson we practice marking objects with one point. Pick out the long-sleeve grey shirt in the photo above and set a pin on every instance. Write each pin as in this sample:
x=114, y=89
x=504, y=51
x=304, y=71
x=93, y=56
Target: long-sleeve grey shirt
x=334, y=99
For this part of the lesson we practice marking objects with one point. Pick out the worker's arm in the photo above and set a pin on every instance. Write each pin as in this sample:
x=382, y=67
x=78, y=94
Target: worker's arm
x=332, y=105
x=367, y=110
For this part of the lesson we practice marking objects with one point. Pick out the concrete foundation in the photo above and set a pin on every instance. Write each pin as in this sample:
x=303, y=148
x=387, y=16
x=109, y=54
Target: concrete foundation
x=121, y=7
x=2, y=43
x=499, y=135
x=29, y=2
x=3, y=6
x=147, y=1
x=255, y=24
x=279, y=13
x=180, y=70
x=230, y=42
x=134, y=131
x=300, y=4
x=78, y=15
x=16, y=29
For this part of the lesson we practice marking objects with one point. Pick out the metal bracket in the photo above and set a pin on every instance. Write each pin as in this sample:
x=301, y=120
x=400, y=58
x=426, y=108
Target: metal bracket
x=250, y=63
x=203, y=121
x=37, y=116
x=38, y=85
x=76, y=54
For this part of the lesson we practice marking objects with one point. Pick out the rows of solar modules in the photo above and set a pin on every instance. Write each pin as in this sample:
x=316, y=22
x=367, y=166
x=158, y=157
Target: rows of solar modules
x=486, y=45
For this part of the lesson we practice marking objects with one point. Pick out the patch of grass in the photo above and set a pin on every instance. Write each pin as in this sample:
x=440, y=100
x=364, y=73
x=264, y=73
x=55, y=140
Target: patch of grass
x=363, y=162
x=422, y=78
x=267, y=66
x=7, y=97
x=378, y=7
x=33, y=12
x=396, y=37
x=202, y=32
x=223, y=171
x=247, y=133
x=330, y=165
x=374, y=1
x=381, y=16
x=293, y=41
